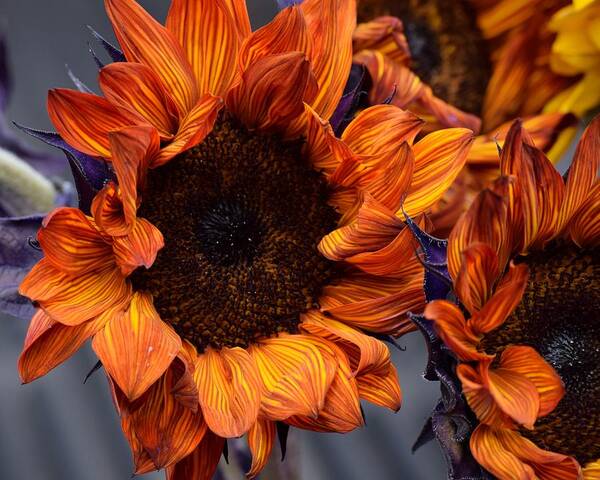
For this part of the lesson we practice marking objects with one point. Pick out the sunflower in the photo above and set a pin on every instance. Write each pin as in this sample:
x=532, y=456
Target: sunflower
x=525, y=265
x=476, y=64
x=238, y=254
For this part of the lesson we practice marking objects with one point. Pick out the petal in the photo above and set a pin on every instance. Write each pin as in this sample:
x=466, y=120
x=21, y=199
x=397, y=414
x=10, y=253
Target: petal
x=330, y=25
x=135, y=87
x=85, y=120
x=73, y=300
x=381, y=389
x=592, y=471
x=229, y=389
x=296, y=372
x=528, y=362
x=239, y=12
x=145, y=41
x=137, y=347
x=202, y=463
x=451, y=326
x=385, y=35
x=260, y=440
x=477, y=275
x=49, y=343
x=107, y=209
x=132, y=150
x=439, y=158
x=194, y=128
x=72, y=243
x=139, y=247
x=210, y=37
x=271, y=92
x=585, y=225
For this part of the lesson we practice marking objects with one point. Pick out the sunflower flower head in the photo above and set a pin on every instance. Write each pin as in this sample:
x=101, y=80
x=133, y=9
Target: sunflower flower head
x=525, y=266
x=236, y=255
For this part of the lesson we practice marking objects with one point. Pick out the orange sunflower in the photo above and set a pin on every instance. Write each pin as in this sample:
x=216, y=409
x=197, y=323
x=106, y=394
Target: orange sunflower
x=234, y=261
x=525, y=265
x=477, y=64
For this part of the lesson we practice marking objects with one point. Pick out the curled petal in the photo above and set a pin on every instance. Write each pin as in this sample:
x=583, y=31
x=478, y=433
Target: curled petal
x=585, y=225
x=385, y=35
x=477, y=275
x=381, y=389
x=108, y=212
x=139, y=247
x=260, y=440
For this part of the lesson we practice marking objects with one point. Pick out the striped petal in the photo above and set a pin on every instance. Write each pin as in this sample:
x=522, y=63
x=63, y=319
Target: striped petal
x=585, y=225
x=261, y=438
x=508, y=455
x=330, y=25
x=72, y=243
x=145, y=41
x=211, y=39
x=139, y=247
x=202, y=463
x=136, y=348
x=229, y=388
x=477, y=276
x=84, y=120
x=381, y=389
x=107, y=209
x=592, y=471
x=385, y=35
x=49, y=343
x=239, y=12
x=135, y=87
x=296, y=372
x=73, y=300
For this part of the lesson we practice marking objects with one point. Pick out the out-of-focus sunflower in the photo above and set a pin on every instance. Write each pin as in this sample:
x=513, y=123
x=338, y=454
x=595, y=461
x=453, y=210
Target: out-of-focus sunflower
x=235, y=259
x=478, y=64
x=525, y=266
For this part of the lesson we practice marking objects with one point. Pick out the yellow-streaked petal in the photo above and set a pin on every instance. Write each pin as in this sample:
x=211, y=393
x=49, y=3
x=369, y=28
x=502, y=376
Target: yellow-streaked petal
x=381, y=389
x=202, y=463
x=261, y=438
x=385, y=35
x=139, y=247
x=477, y=276
x=585, y=225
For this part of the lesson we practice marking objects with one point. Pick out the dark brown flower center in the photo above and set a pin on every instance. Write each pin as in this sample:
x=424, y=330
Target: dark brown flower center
x=447, y=48
x=560, y=317
x=242, y=215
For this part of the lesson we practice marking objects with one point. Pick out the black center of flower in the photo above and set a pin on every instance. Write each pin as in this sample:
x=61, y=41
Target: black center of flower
x=448, y=51
x=241, y=214
x=559, y=317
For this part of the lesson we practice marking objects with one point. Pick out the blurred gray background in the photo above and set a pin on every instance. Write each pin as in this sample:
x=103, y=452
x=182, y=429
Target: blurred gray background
x=60, y=429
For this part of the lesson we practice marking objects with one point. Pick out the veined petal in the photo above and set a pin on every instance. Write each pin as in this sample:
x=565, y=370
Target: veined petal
x=239, y=12
x=72, y=243
x=439, y=158
x=139, y=247
x=383, y=34
x=135, y=87
x=202, y=463
x=381, y=389
x=585, y=225
x=137, y=347
x=108, y=212
x=477, y=275
x=84, y=120
x=330, y=25
x=73, y=300
x=296, y=372
x=261, y=438
x=196, y=125
x=592, y=471
x=144, y=40
x=229, y=388
x=210, y=37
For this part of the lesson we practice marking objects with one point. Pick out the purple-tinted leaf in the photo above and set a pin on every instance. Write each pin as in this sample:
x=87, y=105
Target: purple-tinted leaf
x=17, y=256
x=99, y=63
x=115, y=54
x=354, y=91
x=79, y=85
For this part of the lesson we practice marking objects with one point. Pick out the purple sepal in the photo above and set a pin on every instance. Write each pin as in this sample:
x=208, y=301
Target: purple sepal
x=17, y=256
x=90, y=173
x=287, y=3
x=354, y=91
x=115, y=54
x=79, y=85
x=99, y=63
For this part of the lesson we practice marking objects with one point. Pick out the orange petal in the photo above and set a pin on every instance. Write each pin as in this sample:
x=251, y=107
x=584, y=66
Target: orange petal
x=210, y=37
x=385, y=35
x=184, y=387
x=139, y=247
x=135, y=87
x=132, y=149
x=229, y=389
x=73, y=300
x=439, y=158
x=508, y=455
x=382, y=390
x=239, y=12
x=505, y=299
x=202, y=463
x=194, y=128
x=451, y=326
x=477, y=275
x=592, y=471
x=330, y=25
x=585, y=225
x=136, y=348
x=49, y=343
x=528, y=362
x=260, y=440
x=144, y=40
x=287, y=32
x=107, y=209
x=72, y=243
x=583, y=172
x=296, y=372
x=271, y=92
x=84, y=120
